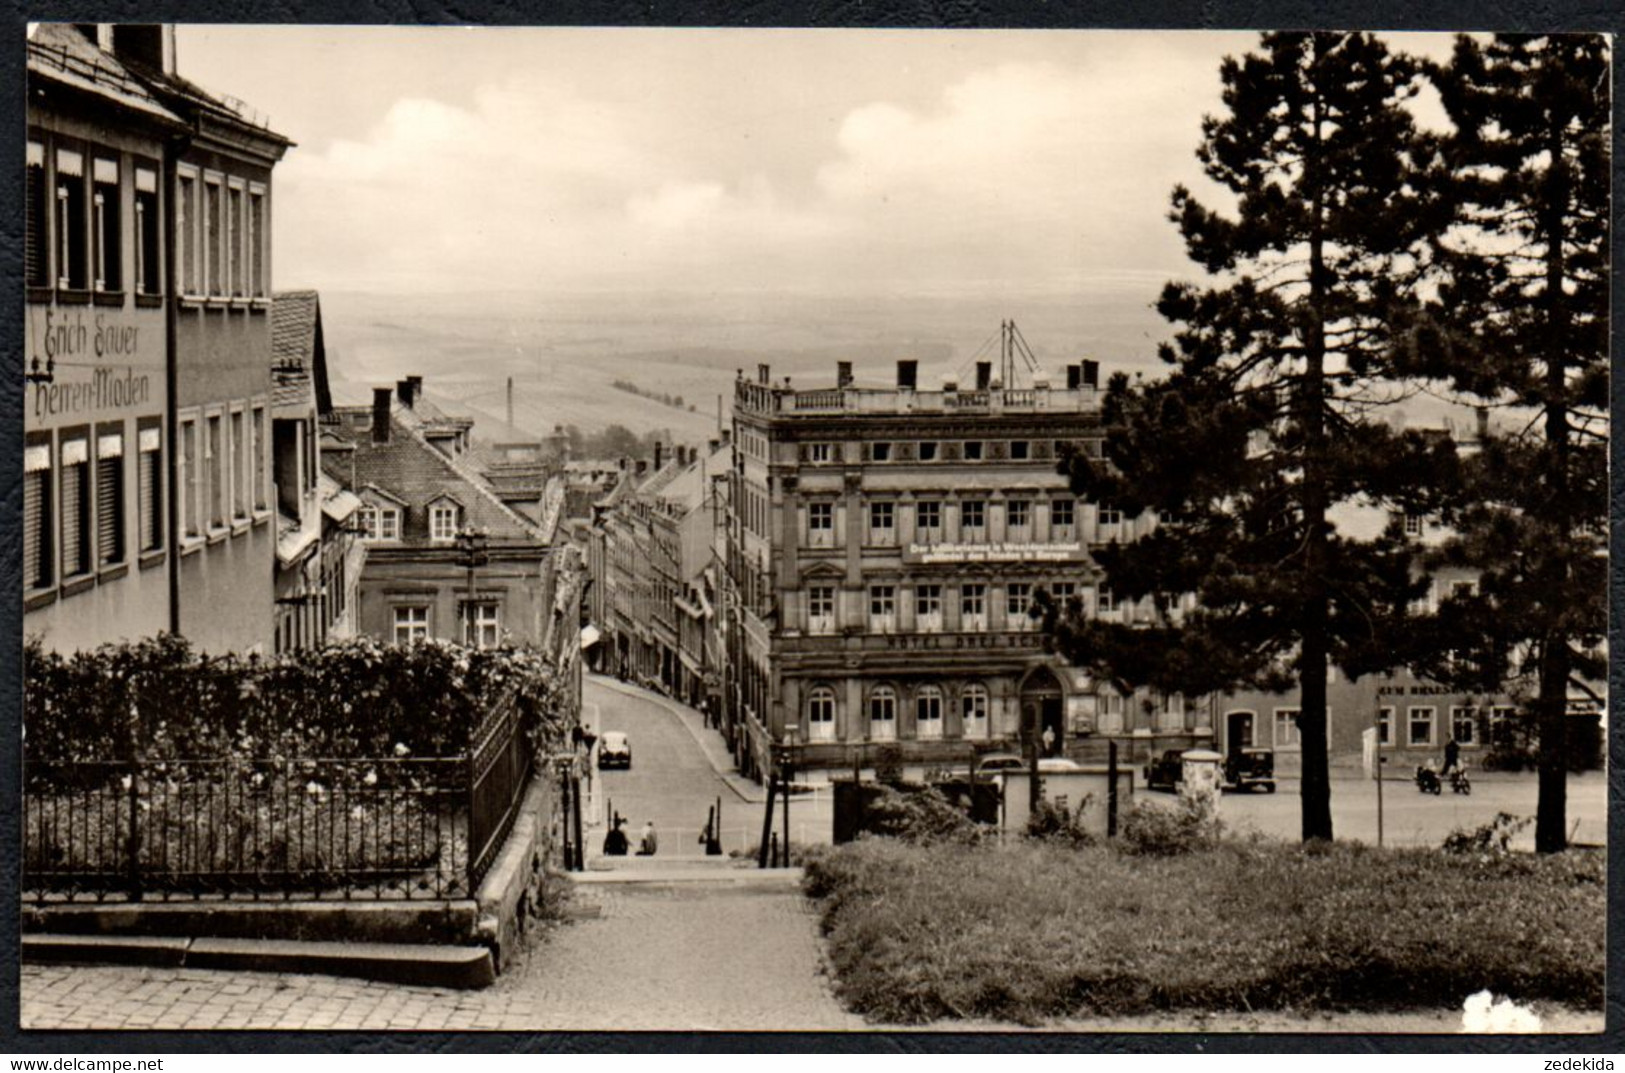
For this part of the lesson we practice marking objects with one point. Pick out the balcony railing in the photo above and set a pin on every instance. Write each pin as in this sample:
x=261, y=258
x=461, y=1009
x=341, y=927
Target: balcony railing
x=770, y=399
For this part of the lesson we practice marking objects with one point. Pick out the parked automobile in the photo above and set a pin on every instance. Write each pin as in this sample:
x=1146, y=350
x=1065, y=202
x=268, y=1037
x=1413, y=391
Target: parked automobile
x=1246, y=769
x=1165, y=772
x=993, y=763
x=614, y=750
x=1057, y=763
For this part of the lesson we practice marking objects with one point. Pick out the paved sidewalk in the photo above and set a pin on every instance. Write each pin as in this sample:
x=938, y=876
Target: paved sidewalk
x=681, y=956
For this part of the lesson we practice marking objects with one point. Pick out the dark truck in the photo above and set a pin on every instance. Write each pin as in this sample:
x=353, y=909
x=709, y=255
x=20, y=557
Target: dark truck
x=1243, y=770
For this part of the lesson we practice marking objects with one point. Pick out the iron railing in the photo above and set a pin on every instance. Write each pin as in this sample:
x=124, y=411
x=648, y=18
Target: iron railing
x=382, y=828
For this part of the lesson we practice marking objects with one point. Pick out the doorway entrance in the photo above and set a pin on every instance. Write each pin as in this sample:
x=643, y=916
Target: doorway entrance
x=1238, y=732
x=1042, y=712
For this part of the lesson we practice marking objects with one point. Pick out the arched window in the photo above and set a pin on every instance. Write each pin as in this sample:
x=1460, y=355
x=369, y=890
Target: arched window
x=883, y=713
x=973, y=709
x=821, y=714
x=928, y=713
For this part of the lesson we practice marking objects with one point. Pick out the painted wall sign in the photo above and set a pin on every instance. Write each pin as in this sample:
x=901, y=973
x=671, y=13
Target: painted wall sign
x=997, y=551
x=104, y=362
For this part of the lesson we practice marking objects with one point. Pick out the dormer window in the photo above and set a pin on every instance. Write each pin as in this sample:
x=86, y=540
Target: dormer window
x=443, y=519
x=1413, y=525
x=379, y=523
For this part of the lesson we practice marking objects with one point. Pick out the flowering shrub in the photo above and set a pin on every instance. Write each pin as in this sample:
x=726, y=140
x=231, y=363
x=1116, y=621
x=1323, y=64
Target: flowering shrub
x=157, y=699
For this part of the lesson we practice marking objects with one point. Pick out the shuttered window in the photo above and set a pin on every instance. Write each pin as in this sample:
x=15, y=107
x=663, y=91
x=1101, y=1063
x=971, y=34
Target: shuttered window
x=217, y=474
x=189, y=478
x=148, y=272
x=239, y=464
x=258, y=463
x=110, y=498
x=38, y=547
x=71, y=253
x=36, y=269
x=150, y=494
x=75, y=507
x=105, y=209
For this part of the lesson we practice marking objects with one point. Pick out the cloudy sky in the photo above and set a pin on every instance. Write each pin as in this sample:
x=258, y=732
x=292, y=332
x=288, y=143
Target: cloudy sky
x=930, y=161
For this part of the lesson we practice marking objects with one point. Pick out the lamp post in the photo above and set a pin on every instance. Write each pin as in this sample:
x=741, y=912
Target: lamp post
x=471, y=545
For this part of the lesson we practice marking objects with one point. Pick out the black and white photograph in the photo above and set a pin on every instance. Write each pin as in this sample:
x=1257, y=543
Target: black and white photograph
x=648, y=529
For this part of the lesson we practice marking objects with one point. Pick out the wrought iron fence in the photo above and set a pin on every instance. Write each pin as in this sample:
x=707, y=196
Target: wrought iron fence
x=384, y=828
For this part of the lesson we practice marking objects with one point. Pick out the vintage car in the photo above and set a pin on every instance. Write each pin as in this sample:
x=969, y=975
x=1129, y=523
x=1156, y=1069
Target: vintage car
x=1245, y=769
x=1165, y=772
x=614, y=750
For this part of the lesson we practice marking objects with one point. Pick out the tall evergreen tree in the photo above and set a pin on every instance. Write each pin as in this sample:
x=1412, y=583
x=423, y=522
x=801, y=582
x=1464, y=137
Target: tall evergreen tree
x=1521, y=323
x=1268, y=418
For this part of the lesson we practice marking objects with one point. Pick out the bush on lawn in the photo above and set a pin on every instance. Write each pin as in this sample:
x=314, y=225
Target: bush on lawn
x=1030, y=931
x=1055, y=823
x=1153, y=829
x=920, y=815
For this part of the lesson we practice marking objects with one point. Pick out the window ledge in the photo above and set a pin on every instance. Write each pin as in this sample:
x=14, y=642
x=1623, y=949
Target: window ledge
x=68, y=297
x=240, y=305
x=261, y=305
x=39, y=600
x=192, y=301
x=191, y=545
x=217, y=302
x=112, y=573
x=110, y=298
x=149, y=301
x=150, y=559
x=39, y=295
x=77, y=585
x=239, y=526
x=217, y=536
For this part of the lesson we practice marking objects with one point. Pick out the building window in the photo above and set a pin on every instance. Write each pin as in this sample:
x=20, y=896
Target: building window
x=1413, y=525
x=1385, y=726
x=821, y=609
x=821, y=525
x=1017, y=517
x=482, y=626
x=149, y=273
x=821, y=714
x=216, y=462
x=235, y=266
x=820, y=452
x=110, y=498
x=442, y=523
x=928, y=522
x=973, y=607
x=1018, y=602
x=1464, y=725
x=239, y=467
x=882, y=609
x=883, y=713
x=928, y=608
x=928, y=713
x=973, y=711
x=1286, y=728
x=973, y=520
x=882, y=523
x=928, y=451
x=1020, y=450
x=213, y=211
x=411, y=625
x=188, y=212
x=36, y=256
x=1503, y=724
x=1105, y=601
x=71, y=253
x=38, y=546
x=150, y=487
x=256, y=240
x=104, y=204
x=257, y=430
x=1110, y=516
x=188, y=478
x=75, y=506
x=1062, y=513
x=973, y=450
x=366, y=520
x=880, y=452
x=1420, y=727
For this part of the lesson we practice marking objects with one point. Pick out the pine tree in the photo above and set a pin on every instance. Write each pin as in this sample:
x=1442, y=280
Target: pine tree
x=1521, y=323
x=1267, y=420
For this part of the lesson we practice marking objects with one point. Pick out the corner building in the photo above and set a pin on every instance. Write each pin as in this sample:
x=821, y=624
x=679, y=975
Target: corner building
x=886, y=548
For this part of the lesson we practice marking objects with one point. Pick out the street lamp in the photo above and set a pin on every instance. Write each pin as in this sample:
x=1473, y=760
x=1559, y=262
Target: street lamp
x=471, y=545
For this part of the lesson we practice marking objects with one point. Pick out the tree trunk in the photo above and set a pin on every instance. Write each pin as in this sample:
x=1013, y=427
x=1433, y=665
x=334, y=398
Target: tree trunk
x=1551, y=715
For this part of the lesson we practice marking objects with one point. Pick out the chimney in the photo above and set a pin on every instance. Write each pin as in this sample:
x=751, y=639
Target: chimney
x=843, y=374
x=763, y=372
x=380, y=415
x=984, y=375
x=1483, y=413
x=1091, y=373
x=727, y=437
x=417, y=386
x=660, y=454
x=713, y=445
x=145, y=43
x=642, y=467
x=907, y=373
x=1074, y=377
x=403, y=388
x=510, y=402
x=623, y=463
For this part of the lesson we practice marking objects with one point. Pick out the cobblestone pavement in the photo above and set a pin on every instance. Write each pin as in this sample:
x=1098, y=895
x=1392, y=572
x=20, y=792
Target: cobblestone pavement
x=691, y=956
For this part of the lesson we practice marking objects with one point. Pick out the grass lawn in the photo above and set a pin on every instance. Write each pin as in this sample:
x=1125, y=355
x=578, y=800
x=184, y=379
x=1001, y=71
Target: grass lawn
x=1034, y=931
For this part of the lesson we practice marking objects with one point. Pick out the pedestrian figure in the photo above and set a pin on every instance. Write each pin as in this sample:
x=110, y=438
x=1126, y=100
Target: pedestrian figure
x=1049, y=741
x=615, y=843
x=1452, y=757
x=649, y=842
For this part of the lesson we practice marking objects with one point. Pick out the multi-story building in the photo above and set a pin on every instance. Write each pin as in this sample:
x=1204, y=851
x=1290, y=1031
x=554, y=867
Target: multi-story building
x=96, y=538
x=446, y=557
x=886, y=548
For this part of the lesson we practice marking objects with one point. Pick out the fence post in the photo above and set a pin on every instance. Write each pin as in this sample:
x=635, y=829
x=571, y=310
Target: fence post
x=475, y=842
x=135, y=826
x=1111, y=789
